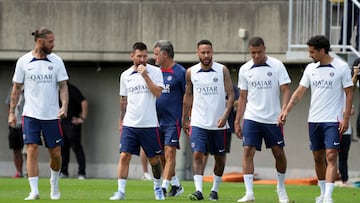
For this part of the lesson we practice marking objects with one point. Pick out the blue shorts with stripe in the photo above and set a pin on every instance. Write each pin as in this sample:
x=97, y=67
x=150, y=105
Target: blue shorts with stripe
x=170, y=136
x=50, y=130
x=254, y=132
x=148, y=138
x=208, y=141
x=324, y=135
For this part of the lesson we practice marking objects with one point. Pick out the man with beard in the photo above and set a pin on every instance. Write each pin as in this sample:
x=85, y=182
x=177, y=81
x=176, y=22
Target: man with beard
x=328, y=78
x=43, y=75
x=208, y=83
x=140, y=85
x=261, y=80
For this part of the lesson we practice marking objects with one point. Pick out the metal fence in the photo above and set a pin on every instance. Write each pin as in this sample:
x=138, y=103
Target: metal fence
x=323, y=17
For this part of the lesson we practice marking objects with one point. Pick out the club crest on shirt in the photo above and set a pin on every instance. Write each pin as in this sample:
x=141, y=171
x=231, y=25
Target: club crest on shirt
x=50, y=68
x=332, y=74
x=169, y=78
x=269, y=74
x=216, y=79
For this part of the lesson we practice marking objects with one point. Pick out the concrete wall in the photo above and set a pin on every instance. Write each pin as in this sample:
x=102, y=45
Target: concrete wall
x=94, y=37
x=99, y=30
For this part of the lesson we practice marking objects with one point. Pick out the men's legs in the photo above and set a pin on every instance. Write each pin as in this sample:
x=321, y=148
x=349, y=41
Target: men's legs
x=75, y=144
x=281, y=164
x=331, y=172
x=18, y=161
x=123, y=172
x=16, y=143
x=169, y=165
x=144, y=163
x=157, y=171
x=219, y=167
x=198, y=166
x=55, y=166
x=248, y=170
x=343, y=157
x=320, y=169
x=65, y=155
x=33, y=170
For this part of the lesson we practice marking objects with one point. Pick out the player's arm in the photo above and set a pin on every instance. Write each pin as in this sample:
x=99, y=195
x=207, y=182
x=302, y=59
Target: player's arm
x=294, y=99
x=187, y=102
x=84, y=109
x=123, y=104
x=64, y=97
x=285, y=89
x=240, y=112
x=344, y=124
x=355, y=76
x=155, y=89
x=14, y=99
x=230, y=97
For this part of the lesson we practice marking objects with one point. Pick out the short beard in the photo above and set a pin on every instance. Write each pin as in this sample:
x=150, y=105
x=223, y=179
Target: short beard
x=206, y=64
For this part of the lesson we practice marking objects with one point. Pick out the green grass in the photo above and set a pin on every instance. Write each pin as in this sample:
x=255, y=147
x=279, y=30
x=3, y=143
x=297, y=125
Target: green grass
x=99, y=190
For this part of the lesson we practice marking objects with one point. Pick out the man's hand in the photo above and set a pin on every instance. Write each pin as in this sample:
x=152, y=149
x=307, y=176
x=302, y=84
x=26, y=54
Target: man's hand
x=12, y=120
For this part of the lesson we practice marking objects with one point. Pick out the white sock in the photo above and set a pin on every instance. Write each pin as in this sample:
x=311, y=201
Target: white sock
x=122, y=185
x=54, y=177
x=329, y=187
x=175, y=181
x=34, y=182
x=198, y=180
x=165, y=184
x=281, y=180
x=248, y=180
x=216, y=182
x=321, y=184
x=157, y=183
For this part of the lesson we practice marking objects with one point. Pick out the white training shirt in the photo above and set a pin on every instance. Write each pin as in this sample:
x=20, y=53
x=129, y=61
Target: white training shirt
x=40, y=78
x=209, y=99
x=141, y=103
x=327, y=83
x=262, y=83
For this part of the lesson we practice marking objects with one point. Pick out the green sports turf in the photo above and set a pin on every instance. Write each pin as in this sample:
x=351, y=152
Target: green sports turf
x=99, y=190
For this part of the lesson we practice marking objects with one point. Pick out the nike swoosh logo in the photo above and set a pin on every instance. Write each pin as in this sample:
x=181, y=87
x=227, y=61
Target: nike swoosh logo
x=158, y=152
x=221, y=150
x=57, y=141
x=174, y=140
x=336, y=143
x=279, y=142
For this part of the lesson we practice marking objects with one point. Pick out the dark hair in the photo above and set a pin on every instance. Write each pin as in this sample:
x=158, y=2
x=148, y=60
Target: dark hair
x=356, y=62
x=256, y=41
x=319, y=42
x=41, y=32
x=165, y=45
x=140, y=46
x=204, y=41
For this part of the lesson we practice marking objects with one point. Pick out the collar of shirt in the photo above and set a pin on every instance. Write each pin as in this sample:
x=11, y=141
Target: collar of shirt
x=325, y=65
x=259, y=65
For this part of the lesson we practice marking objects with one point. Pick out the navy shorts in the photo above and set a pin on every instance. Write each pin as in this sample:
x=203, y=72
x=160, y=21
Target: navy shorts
x=16, y=140
x=148, y=138
x=170, y=136
x=254, y=132
x=208, y=141
x=324, y=136
x=50, y=130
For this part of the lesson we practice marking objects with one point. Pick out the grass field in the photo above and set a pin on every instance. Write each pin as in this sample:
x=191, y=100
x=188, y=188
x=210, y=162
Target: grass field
x=99, y=190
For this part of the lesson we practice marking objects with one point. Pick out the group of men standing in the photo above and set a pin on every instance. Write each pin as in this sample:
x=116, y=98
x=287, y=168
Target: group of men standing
x=155, y=103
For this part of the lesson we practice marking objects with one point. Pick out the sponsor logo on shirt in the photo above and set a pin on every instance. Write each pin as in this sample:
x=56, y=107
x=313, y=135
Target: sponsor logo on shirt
x=265, y=84
x=323, y=84
x=138, y=89
x=46, y=78
x=210, y=90
x=166, y=89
